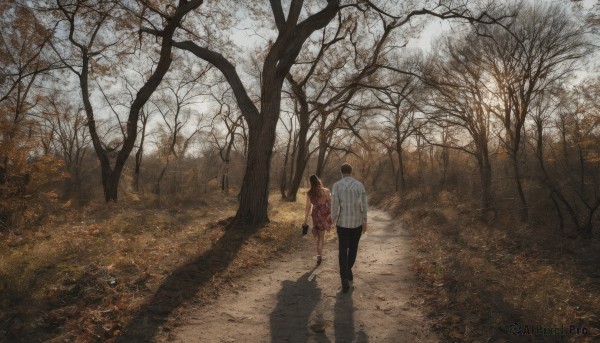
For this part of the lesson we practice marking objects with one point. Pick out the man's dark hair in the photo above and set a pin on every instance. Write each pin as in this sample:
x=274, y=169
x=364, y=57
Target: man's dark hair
x=346, y=169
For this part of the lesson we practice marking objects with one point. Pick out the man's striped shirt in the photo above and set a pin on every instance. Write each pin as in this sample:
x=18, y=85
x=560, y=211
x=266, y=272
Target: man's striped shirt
x=349, y=202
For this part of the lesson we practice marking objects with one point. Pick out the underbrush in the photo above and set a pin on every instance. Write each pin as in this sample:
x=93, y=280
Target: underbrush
x=84, y=277
x=500, y=282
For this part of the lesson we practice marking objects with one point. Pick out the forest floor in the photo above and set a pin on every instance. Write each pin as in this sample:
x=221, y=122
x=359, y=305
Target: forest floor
x=104, y=273
x=501, y=281
x=431, y=273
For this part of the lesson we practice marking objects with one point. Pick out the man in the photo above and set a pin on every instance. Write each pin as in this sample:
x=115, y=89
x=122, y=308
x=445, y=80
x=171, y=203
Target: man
x=349, y=211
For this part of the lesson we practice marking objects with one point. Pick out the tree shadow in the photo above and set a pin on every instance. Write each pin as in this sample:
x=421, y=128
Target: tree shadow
x=295, y=302
x=184, y=283
x=74, y=282
x=343, y=323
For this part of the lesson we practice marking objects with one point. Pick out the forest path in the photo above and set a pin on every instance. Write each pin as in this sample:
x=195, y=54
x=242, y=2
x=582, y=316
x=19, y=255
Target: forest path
x=291, y=300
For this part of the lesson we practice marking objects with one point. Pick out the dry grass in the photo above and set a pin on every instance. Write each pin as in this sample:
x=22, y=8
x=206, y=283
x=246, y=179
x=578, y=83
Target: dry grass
x=479, y=279
x=82, y=279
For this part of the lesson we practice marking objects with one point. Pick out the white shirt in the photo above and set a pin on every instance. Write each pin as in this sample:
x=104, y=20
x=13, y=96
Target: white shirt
x=348, y=203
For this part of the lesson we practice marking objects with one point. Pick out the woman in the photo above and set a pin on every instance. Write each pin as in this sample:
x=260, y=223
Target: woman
x=319, y=200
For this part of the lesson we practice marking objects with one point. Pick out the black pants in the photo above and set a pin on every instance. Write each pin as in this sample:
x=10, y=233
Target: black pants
x=348, y=240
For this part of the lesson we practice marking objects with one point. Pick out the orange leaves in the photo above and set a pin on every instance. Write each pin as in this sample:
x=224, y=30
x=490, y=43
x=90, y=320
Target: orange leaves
x=24, y=195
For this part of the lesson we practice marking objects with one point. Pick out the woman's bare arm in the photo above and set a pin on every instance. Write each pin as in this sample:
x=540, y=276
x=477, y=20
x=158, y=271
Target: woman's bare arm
x=307, y=210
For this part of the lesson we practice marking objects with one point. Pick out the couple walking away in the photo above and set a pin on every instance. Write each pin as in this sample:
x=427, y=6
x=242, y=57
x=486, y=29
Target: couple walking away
x=346, y=204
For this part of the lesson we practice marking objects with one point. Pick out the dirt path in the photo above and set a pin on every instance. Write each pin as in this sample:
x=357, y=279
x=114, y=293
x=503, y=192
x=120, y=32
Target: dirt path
x=289, y=300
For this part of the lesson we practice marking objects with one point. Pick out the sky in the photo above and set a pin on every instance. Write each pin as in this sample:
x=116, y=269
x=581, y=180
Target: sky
x=437, y=27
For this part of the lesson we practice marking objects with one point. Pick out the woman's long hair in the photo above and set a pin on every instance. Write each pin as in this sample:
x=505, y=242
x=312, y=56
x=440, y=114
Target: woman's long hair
x=316, y=187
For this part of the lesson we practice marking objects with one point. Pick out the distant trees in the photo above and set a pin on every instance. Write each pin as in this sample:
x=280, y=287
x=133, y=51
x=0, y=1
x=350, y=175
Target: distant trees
x=175, y=101
x=494, y=97
x=226, y=138
x=537, y=50
x=25, y=64
x=63, y=124
x=97, y=32
x=496, y=79
x=567, y=140
x=400, y=101
x=461, y=96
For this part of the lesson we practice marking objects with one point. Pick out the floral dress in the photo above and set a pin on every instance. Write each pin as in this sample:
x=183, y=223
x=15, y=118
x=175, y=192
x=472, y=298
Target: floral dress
x=321, y=216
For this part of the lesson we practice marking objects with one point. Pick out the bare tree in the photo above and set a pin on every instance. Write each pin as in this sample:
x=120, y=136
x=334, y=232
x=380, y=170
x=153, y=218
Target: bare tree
x=569, y=172
x=292, y=33
x=400, y=105
x=538, y=47
x=462, y=98
x=174, y=101
x=346, y=62
x=139, y=154
x=225, y=140
x=281, y=53
x=68, y=137
x=87, y=25
x=290, y=153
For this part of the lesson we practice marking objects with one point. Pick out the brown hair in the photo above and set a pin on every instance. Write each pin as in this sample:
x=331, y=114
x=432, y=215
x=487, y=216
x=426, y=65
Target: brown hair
x=316, y=187
x=346, y=169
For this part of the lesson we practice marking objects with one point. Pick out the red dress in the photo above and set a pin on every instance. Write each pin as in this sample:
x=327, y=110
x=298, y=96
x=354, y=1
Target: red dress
x=321, y=216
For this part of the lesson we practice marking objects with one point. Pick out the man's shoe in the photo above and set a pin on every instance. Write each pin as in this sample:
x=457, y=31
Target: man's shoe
x=345, y=285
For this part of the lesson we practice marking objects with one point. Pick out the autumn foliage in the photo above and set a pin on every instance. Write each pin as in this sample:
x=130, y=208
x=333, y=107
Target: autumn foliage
x=129, y=129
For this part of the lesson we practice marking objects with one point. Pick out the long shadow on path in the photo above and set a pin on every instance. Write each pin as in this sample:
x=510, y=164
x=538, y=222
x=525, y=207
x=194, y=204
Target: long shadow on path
x=183, y=284
x=343, y=323
x=295, y=302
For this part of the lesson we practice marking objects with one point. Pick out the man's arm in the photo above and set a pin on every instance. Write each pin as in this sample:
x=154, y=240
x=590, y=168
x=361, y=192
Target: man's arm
x=335, y=204
x=364, y=205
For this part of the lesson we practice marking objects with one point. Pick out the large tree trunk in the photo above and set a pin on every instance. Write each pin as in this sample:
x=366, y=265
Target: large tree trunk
x=301, y=160
x=140, y=153
x=136, y=173
x=302, y=141
x=324, y=140
x=254, y=195
x=283, y=177
x=321, y=160
x=262, y=125
x=110, y=184
x=293, y=154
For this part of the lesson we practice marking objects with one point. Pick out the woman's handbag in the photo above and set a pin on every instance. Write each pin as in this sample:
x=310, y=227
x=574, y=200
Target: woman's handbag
x=304, y=229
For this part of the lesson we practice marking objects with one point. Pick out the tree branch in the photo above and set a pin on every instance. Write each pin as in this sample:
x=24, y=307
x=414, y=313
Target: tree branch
x=246, y=105
x=278, y=14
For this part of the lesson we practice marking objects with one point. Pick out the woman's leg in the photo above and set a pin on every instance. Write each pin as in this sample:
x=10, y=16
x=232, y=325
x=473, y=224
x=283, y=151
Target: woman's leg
x=320, y=242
